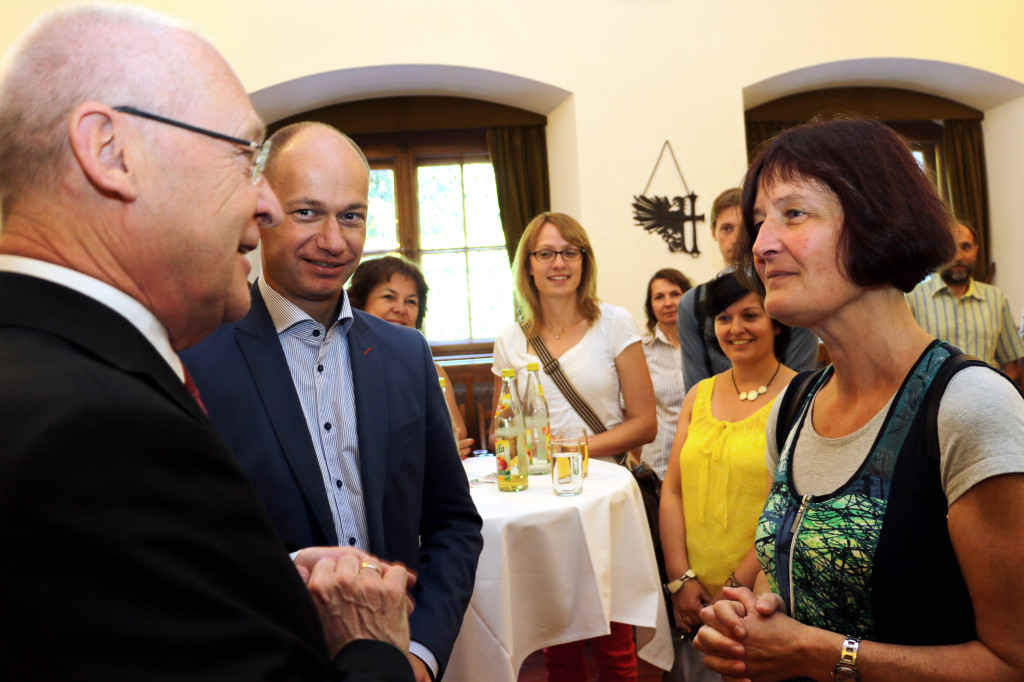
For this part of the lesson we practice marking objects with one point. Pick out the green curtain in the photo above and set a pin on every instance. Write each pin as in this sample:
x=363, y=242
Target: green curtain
x=963, y=162
x=759, y=132
x=520, y=158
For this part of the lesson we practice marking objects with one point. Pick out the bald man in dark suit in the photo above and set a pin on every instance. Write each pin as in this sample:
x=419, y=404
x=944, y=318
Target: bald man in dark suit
x=131, y=544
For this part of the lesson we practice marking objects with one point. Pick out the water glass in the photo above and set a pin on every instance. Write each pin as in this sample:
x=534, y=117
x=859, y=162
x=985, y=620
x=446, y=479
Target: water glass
x=566, y=467
x=578, y=433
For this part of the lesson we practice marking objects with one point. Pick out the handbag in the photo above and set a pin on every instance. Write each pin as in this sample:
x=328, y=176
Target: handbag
x=646, y=478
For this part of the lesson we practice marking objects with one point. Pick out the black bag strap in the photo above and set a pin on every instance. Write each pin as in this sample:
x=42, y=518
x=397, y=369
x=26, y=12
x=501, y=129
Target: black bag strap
x=951, y=366
x=576, y=401
x=954, y=363
x=789, y=406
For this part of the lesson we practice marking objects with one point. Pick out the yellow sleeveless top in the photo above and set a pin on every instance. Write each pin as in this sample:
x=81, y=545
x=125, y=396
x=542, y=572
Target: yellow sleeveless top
x=724, y=485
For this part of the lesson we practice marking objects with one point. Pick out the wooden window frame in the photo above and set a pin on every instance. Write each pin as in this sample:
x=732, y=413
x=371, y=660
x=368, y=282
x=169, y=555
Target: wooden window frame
x=925, y=137
x=914, y=115
x=404, y=152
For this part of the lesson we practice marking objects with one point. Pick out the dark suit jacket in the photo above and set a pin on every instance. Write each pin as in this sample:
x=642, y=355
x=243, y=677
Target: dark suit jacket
x=415, y=492
x=131, y=545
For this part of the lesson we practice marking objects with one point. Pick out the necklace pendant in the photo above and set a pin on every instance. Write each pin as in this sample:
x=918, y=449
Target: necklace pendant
x=754, y=393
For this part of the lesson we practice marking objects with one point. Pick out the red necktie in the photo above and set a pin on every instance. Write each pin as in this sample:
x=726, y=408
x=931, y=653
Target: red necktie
x=190, y=385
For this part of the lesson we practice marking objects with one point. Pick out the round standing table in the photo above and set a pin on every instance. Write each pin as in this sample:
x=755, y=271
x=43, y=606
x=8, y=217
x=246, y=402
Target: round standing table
x=558, y=569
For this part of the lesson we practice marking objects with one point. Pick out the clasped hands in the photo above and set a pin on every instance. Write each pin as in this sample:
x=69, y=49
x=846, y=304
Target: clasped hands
x=748, y=637
x=690, y=600
x=357, y=595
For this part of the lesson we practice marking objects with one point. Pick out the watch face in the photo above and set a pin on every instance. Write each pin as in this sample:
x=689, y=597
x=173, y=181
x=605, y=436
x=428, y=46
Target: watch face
x=841, y=673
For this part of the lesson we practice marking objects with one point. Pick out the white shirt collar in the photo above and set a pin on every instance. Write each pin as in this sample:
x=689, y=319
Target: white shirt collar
x=115, y=299
x=286, y=314
x=658, y=335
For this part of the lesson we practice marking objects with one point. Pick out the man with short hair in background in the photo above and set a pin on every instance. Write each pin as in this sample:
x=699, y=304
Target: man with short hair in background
x=131, y=544
x=971, y=315
x=337, y=415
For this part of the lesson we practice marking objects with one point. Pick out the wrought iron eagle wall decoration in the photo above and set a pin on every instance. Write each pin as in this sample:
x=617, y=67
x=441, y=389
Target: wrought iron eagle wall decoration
x=669, y=218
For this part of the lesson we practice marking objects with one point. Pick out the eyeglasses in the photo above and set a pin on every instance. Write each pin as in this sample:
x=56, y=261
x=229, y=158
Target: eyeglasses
x=260, y=151
x=573, y=253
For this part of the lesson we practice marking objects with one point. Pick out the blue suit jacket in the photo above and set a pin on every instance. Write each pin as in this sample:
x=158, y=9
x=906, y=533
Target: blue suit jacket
x=416, y=496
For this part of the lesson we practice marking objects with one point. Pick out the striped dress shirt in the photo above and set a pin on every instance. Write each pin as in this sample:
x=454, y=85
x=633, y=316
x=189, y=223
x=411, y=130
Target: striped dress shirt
x=666, y=367
x=978, y=323
x=318, y=360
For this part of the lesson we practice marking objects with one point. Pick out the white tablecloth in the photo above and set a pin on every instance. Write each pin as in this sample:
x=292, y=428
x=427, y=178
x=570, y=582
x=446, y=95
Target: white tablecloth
x=559, y=569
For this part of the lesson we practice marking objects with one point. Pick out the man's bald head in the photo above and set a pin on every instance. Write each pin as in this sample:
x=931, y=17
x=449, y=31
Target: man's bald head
x=280, y=139
x=152, y=208
x=105, y=53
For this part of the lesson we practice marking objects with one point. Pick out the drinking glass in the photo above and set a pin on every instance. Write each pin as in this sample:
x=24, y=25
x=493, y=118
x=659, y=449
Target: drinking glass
x=566, y=466
x=578, y=433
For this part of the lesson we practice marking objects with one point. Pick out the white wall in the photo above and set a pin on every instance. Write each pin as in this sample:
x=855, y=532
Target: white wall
x=1004, y=155
x=640, y=72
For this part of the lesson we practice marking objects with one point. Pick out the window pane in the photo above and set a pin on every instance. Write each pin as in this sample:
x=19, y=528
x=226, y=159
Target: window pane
x=447, y=303
x=382, y=221
x=440, y=201
x=483, y=220
x=490, y=292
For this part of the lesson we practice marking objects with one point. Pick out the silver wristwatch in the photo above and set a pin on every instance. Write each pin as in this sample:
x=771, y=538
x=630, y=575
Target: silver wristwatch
x=846, y=668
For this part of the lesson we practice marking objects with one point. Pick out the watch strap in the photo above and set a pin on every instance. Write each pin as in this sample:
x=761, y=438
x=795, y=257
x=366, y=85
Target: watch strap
x=846, y=667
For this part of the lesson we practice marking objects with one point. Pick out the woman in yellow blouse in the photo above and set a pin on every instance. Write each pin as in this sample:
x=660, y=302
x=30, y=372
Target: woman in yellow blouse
x=716, y=484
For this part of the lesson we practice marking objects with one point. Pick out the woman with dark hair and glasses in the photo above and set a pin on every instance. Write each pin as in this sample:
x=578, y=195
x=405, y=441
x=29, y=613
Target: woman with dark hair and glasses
x=664, y=361
x=597, y=346
x=394, y=289
x=716, y=481
x=892, y=539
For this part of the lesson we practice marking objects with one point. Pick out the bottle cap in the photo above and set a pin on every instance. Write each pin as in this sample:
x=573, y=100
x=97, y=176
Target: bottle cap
x=532, y=366
x=441, y=380
x=507, y=372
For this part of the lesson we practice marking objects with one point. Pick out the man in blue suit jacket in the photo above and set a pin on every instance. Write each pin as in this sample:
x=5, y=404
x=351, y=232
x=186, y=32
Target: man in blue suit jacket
x=337, y=416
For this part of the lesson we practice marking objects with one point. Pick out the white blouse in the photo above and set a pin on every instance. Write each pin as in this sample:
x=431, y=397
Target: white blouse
x=589, y=366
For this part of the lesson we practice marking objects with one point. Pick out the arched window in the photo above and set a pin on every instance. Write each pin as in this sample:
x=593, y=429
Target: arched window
x=944, y=135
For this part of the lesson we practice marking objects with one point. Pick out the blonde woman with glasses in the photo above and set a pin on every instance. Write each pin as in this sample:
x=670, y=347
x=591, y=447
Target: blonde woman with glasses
x=598, y=348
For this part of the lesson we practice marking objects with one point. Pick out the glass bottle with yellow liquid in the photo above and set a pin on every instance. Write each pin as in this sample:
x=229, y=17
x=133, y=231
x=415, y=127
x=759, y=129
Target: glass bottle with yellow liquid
x=538, y=426
x=510, y=437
